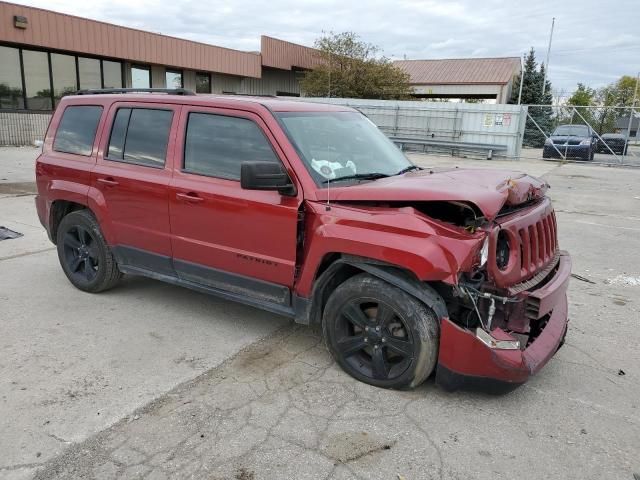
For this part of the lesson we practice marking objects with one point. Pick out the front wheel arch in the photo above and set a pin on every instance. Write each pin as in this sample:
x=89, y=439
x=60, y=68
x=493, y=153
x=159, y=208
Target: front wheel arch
x=347, y=266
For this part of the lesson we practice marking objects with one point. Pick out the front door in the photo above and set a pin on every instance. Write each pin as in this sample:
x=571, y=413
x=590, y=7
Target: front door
x=242, y=241
x=132, y=174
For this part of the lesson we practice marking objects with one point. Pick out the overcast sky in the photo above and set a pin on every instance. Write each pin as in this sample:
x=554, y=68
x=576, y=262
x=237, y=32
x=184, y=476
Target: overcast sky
x=594, y=42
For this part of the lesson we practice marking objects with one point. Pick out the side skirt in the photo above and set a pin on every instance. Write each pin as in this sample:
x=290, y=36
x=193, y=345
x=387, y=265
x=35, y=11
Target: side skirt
x=227, y=295
x=249, y=291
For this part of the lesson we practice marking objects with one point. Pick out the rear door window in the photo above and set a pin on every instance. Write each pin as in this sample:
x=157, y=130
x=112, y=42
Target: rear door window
x=140, y=136
x=77, y=129
x=216, y=145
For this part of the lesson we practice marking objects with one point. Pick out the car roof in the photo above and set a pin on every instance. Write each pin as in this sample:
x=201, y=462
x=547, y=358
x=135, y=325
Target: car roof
x=276, y=104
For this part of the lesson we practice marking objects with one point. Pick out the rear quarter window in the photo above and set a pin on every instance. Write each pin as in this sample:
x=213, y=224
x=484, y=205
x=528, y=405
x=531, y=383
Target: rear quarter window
x=77, y=129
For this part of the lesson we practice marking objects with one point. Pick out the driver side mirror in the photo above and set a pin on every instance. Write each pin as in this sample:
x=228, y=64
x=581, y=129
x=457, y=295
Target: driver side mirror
x=266, y=176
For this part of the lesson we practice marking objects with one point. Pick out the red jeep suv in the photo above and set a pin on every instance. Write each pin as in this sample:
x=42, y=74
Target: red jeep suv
x=309, y=211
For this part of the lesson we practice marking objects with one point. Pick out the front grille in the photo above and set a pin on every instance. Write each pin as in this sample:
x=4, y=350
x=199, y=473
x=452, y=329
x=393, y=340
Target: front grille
x=574, y=142
x=533, y=243
x=538, y=244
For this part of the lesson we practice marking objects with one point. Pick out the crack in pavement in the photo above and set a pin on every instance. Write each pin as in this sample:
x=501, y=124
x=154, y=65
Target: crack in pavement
x=281, y=395
x=26, y=254
x=281, y=408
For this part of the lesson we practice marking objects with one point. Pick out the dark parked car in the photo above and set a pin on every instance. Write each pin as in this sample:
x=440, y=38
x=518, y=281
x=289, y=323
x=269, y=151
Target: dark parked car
x=407, y=270
x=571, y=141
x=616, y=143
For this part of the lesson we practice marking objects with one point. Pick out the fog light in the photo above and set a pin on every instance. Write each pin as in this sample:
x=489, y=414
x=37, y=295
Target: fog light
x=484, y=252
x=491, y=342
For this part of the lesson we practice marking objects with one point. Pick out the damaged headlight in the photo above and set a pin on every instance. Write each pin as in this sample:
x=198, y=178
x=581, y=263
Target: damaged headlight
x=503, y=250
x=484, y=252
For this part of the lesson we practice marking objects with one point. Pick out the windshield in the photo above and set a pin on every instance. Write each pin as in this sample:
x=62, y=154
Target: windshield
x=572, y=131
x=342, y=145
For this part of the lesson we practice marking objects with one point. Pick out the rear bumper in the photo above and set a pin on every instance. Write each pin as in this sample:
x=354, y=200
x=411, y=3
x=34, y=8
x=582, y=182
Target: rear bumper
x=466, y=362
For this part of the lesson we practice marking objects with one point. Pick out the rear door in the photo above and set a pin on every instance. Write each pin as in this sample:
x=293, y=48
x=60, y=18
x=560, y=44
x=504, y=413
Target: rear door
x=132, y=174
x=223, y=236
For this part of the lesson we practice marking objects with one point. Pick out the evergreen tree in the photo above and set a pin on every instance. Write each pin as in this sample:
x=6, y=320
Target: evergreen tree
x=532, y=79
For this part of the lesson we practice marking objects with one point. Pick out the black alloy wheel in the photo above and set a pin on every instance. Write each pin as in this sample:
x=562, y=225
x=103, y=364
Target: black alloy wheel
x=374, y=340
x=81, y=253
x=380, y=334
x=85, y=257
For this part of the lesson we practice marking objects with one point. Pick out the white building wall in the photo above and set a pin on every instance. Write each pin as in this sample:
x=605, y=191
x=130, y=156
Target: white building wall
x=501, y=92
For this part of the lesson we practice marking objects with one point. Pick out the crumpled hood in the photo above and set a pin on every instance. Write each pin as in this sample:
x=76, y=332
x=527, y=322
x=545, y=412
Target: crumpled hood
x=489, y=190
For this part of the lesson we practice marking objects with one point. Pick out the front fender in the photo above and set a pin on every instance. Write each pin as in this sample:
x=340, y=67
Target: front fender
x=429, y=251
x=311, y=311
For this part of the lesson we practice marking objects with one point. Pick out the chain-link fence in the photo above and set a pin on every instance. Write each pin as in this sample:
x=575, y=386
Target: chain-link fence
x=449, y=128
x=22, y=127
x=608, y=135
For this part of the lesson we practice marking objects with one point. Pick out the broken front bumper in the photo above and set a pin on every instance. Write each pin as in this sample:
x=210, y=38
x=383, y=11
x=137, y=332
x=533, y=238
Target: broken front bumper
x=465, y=361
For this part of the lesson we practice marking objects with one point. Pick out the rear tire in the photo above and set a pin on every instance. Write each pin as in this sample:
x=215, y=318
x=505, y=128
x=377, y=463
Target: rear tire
x=380, y=334
x=85, y=257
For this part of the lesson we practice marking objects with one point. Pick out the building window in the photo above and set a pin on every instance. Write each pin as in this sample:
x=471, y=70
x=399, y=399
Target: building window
x=77, y=129
x=50, y=76
x=11, y=94
x=63, y=68
x=112, y=74
x=36, y=77
x=140, y=136
x=216, y=145
x=203, y=83
x=140, y=77
x=173, y=78
x=89, y=73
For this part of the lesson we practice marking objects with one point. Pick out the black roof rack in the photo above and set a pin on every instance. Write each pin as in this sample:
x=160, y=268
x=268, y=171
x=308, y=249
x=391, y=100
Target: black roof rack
x=170, y=91
x=249, y=94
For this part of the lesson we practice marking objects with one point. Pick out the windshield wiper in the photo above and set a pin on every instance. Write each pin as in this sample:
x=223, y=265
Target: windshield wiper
x=358, y=176
x=410, y=168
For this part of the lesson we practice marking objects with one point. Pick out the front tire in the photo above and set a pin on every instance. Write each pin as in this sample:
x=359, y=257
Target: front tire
x=379, y=334
x=85, y=257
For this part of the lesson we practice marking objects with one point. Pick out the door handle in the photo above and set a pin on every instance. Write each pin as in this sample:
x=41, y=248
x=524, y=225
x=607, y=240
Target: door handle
x=189, y=197
x=110, y=182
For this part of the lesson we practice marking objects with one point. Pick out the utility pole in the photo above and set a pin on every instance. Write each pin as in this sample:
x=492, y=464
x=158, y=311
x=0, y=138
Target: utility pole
x=631, y=115
x=546, y=68
x=521, y=78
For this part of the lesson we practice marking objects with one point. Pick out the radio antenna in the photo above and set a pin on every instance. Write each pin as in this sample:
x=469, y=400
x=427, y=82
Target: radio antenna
x=328, y=207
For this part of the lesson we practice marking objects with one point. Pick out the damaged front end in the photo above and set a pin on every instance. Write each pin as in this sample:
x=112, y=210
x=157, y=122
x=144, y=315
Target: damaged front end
x=508, y=316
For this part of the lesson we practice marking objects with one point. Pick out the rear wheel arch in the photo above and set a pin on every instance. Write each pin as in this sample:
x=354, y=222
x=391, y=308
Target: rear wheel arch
x=60, y=209
x=335, y=269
